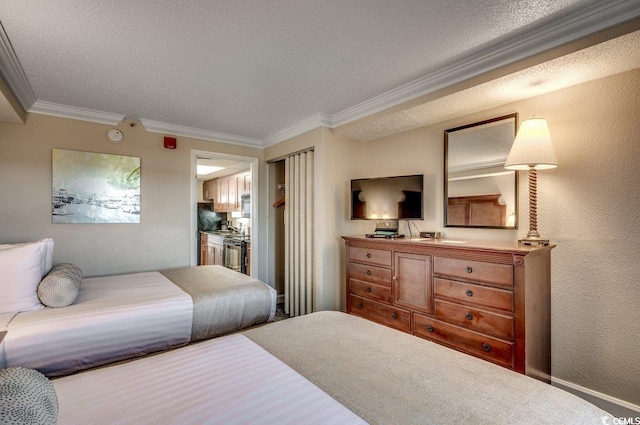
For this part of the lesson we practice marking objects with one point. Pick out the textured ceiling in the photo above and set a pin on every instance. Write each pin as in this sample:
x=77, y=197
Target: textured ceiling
x=608, y=58
x=250, y=68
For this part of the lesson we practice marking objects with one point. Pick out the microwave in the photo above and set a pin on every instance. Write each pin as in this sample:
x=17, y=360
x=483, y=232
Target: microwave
x=245, y=206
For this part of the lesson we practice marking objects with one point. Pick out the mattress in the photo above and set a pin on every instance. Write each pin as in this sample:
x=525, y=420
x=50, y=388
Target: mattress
x=229, y=380
x=324, y=368
x=114, y=317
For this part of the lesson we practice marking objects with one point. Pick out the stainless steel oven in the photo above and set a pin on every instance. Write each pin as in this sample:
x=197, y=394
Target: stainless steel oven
x=235, y=254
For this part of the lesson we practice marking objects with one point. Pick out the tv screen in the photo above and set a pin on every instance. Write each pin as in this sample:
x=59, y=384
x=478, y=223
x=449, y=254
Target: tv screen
x=387, y=198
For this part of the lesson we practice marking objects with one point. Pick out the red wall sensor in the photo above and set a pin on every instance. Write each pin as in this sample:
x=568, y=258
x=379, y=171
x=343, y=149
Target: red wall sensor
x=170, y=142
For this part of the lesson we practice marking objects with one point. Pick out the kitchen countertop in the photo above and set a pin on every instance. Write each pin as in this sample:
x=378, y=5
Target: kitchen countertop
x=228, y=234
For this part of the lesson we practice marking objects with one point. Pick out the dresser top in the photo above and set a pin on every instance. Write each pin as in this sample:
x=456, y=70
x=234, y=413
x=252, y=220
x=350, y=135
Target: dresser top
x=446, y=243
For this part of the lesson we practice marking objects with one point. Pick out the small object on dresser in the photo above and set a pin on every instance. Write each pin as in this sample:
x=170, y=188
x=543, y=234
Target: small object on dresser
x=387, y=226
x=431, y=235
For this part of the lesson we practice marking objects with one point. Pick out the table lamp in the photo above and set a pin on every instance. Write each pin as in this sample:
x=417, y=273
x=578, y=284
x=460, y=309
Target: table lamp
x=532, y=150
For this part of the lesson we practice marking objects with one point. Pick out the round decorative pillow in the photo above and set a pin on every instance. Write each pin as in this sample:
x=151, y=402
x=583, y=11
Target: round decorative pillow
x=61, y=286
x=26, y=397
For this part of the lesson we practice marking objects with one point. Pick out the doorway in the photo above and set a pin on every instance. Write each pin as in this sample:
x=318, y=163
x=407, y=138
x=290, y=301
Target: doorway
x=226, y=165
x=276, y=226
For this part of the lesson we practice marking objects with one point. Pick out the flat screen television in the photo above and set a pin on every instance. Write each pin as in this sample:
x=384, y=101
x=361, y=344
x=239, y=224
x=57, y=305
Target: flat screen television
x=380, y=198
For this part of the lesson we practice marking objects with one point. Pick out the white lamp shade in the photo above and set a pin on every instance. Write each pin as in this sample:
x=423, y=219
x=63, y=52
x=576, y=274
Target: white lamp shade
x=532, y=147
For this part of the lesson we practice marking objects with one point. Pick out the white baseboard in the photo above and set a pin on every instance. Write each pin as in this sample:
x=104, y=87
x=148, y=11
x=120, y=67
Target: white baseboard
x=615, y=406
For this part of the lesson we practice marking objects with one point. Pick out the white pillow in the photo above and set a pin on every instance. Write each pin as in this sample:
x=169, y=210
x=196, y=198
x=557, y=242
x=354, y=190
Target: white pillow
x=48, y=254
x=47, y=257
x=21, y=269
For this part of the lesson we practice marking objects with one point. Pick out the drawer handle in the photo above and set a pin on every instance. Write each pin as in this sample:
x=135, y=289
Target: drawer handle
x=394, y=316
x=430, y=328
x=486, y=347
x=360, y=305
x=469, y=316
x=469, y=293
x=469, y=269
x=369, y=289
x=368, y=255
x=368, y=272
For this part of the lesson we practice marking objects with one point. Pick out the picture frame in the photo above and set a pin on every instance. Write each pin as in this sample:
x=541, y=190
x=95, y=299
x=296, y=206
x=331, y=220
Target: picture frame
x=89, y=188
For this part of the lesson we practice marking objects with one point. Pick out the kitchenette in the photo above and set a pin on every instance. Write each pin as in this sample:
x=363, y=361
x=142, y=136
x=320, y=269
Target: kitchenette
x=224, y=211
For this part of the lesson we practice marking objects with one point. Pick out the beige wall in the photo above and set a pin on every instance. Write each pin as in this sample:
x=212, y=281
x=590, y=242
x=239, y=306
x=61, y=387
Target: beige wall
x=161, y=240
x=340, y=160
x=589, y=206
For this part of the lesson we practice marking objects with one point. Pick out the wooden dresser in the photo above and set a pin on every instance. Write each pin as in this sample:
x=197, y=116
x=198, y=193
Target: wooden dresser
x=488, y=299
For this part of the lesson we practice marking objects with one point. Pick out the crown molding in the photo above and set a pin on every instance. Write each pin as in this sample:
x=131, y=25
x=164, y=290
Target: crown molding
x=64, y=111
x=73, y=112
x=196, y=133
x=301, y=127
x=13, y=74
x=585, y=22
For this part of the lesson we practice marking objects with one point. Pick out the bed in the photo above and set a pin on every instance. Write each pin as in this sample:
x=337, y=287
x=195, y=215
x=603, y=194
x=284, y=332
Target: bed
x=130, y=315
x=326, y=367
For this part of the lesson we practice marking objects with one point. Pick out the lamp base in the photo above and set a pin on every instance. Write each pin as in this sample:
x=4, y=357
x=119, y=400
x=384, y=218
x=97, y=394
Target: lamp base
x=529, y=241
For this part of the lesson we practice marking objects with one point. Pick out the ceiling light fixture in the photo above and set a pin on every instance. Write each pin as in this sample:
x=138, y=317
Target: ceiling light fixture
x=202, y=170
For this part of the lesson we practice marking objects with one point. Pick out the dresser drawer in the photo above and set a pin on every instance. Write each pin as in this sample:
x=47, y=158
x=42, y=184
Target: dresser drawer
x=384, y=314
x=370, y=290
x=378, y=257
x=366, y=272
x=497, y=274
x=476, y=294
x=477, y=319
x=480, y=345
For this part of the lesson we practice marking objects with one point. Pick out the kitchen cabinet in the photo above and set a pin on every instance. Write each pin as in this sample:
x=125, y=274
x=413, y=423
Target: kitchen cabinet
x=223, y=195
x=245, y=183
x=210, y=249
x=210, y=189
x=234, y=198
x=230, y=190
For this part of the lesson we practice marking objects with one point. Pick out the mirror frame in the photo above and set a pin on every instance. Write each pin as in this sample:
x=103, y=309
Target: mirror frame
x=446, y=172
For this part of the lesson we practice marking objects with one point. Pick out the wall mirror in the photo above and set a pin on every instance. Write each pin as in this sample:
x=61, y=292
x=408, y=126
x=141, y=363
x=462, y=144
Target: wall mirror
x=478, y=190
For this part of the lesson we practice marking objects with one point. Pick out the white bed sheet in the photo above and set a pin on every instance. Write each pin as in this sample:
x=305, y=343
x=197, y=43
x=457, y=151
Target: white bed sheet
x=5, y=318
x=228, y=380
x=114, y=317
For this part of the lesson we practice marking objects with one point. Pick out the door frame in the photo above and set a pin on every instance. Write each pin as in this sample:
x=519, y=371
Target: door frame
x=255, y=183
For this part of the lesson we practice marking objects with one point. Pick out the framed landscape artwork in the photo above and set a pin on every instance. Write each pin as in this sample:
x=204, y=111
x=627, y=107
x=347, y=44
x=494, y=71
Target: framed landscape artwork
x=94, y=188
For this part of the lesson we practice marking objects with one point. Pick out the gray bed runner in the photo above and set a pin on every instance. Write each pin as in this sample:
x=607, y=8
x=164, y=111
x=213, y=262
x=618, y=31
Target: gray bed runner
x=224, y=301
x=389, y=377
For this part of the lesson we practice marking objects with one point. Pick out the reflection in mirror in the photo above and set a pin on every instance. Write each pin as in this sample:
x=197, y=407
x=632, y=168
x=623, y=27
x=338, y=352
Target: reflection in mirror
x=478, y=190
x=387, y=198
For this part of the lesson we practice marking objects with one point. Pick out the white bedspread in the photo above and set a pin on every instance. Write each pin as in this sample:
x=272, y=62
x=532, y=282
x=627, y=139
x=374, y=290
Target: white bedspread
x=114, y=317
x=229, y=380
